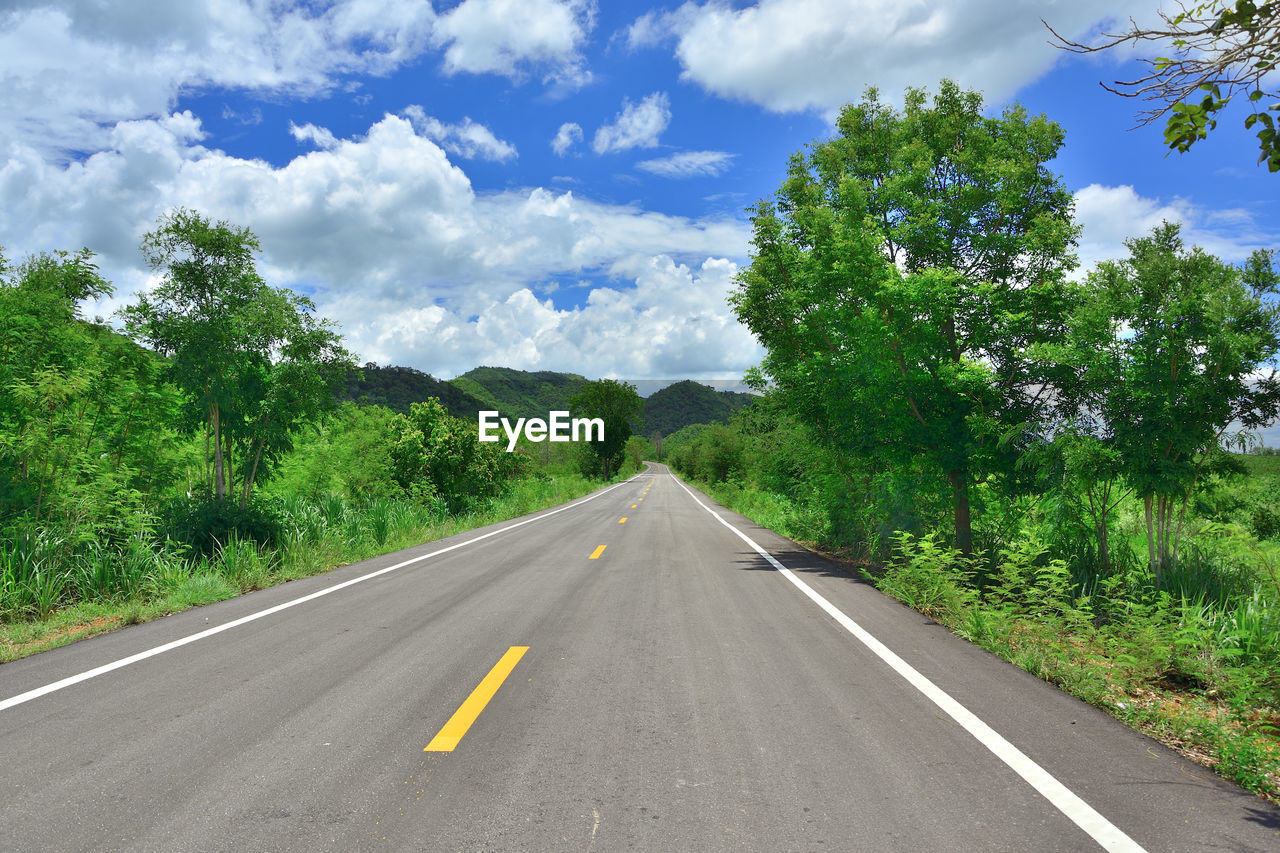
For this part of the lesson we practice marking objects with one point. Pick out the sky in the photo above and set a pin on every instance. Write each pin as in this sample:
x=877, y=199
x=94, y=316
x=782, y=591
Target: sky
x=539, y=184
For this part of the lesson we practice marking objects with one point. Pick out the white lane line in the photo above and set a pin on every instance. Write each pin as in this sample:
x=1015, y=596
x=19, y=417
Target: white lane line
x=218, y=629
x=1103, y=831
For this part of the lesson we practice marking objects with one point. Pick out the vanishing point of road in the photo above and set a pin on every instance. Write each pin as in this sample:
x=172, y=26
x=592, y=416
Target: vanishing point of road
x=637, y=670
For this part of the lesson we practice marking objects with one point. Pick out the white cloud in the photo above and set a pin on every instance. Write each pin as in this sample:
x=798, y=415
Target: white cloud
x=565, y=138
x=383, y=231
x=637, y=126
x=468, y=140
x=320, y=137
x=69, y=69
x=679, y=312
x=689, y=164
x=510, y=36
x=793, y=55
x=1111, y=215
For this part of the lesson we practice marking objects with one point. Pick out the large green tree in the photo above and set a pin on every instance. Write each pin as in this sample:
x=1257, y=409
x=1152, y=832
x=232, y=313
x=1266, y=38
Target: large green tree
x=618, y=405
x=902, y=277
x=1172, y=348
x=255, y=360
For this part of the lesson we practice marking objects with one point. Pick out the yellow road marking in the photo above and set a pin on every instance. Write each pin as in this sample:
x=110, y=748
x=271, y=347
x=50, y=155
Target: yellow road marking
x=466, y=714
x=595, y=555
x=633, y=506
x=622, y=520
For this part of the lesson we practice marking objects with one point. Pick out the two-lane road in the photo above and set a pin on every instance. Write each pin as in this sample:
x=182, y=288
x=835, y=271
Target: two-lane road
x=672, y=691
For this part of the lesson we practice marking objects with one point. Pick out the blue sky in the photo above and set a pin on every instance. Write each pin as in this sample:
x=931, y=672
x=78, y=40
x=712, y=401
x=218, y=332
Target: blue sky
x=399, y=159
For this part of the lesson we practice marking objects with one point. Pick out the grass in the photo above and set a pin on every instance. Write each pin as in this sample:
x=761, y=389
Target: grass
x=45, y=603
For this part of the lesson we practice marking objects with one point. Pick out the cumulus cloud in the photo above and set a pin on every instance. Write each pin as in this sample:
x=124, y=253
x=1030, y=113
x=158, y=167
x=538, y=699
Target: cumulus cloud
x=1111, y=215
x=678, y=310
x=512, y=36
x=69, y=70
x=689, y=164
x=468, y=139
x=383, y=230
x=637, y=126
x=569, y=134
x=793, y=55
x=320, y=137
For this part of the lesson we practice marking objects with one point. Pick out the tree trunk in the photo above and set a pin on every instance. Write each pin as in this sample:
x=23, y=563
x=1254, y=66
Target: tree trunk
x=960, y=499
x=219, y=474
x=1104, y=555
x=1151, y=534
x=251, y=476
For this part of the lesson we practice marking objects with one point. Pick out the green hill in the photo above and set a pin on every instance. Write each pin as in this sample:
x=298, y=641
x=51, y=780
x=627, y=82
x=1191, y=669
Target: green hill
x=519, y=393
x=524, y=394
x=397, y=387
x=689, y=402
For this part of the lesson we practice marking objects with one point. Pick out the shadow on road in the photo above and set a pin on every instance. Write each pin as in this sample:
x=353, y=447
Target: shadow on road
x=804, y=563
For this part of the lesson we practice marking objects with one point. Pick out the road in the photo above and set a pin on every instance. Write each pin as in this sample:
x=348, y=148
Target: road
x=676, y=692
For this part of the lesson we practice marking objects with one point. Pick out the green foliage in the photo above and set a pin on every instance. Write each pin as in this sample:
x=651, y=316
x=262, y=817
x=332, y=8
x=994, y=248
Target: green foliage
x=347, y=453
x=398, y=387
x=618, y=405
x=85, y=415
x=1220, y=48
x=895, y=278
x=255, y=362
x=519, y=393
x=637, y=450
x=205, y=524
x=929, y=576
x=436, y=457
x=1162, y=396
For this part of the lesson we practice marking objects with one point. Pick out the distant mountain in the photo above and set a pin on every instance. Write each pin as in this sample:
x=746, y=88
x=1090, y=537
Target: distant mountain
x=689, y=402
x=519, y=393
x=397, y=387
x=522, y=394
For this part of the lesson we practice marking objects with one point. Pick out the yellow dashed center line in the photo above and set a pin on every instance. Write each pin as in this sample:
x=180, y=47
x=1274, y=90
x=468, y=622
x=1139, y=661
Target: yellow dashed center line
x=622, y=520
x=633, y=506
x=595, y=555
x=466, y=714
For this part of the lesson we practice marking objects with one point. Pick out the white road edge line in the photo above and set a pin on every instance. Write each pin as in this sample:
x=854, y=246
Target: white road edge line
x=218, y=629
x=1103, y=831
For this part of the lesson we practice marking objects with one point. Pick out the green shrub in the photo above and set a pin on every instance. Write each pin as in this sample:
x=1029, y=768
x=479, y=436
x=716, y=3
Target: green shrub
x=204, y=524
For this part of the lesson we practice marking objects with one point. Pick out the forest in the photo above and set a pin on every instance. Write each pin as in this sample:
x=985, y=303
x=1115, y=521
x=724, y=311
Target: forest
x=1050, y=461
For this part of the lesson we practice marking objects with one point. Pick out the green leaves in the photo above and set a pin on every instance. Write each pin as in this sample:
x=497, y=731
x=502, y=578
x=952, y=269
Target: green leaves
x=618, y=405
x=437, y=457
x=254, y=360
x=904, y=275
x=1166, y=350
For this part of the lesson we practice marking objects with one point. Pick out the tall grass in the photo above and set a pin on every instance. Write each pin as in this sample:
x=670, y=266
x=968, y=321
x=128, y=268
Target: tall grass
x=45, y=577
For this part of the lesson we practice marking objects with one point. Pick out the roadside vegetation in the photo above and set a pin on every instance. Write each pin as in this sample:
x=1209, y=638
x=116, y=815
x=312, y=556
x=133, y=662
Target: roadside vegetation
x=1039, y=457
x=205, y=453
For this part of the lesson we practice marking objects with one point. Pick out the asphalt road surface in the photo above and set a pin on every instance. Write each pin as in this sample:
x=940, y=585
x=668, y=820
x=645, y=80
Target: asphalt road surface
x=675, y=691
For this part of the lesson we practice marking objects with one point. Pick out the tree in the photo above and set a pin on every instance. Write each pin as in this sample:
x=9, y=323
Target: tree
x=636, y=449
x=437, y=457
x=1170, y=347
x=902, y=276
x=617, y=404
x=254, y=359
x=1219, y=49
x=85, y=416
